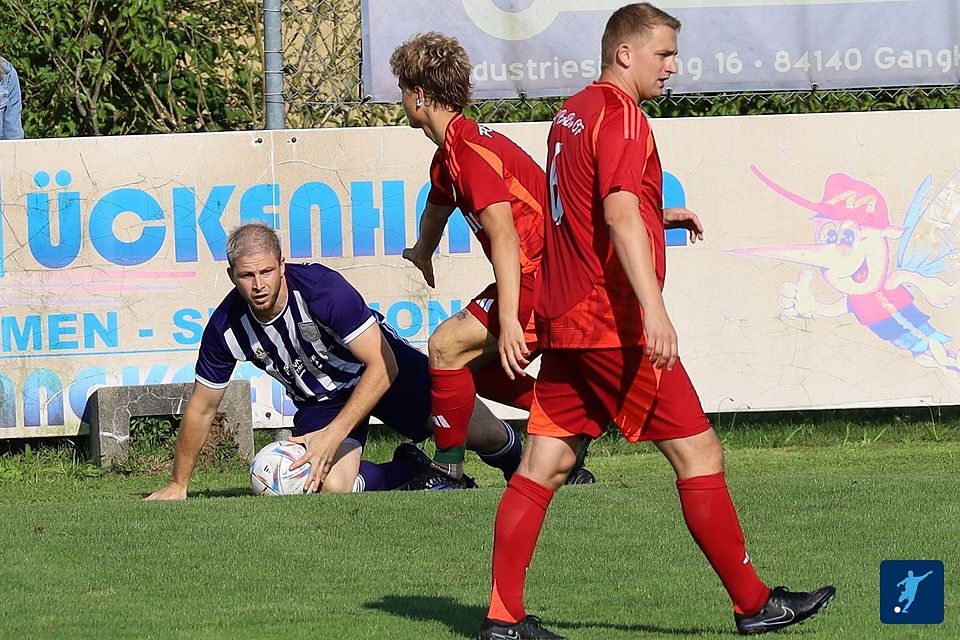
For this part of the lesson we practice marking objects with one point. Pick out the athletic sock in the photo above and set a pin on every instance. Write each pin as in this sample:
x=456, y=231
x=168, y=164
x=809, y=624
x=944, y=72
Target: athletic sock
x=520, y=516
x=712, y=521
x=450, y=469
x=507, y=458
x=384, y=476
x=453, y=396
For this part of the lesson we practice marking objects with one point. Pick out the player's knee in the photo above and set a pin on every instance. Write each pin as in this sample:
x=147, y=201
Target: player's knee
x=337, y=484
x=706, y=458
x=550, y=471
x=440, y=349
x=697, y=455
x=712, y=454
x=559, y=477
x=564, y=468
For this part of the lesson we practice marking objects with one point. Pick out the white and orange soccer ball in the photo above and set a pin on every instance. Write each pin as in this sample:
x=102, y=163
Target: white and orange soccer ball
x=270, y=473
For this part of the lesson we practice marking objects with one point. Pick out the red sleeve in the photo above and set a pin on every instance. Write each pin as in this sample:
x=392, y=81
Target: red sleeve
x=480, y=177
x=440, y=182
x=621, y=146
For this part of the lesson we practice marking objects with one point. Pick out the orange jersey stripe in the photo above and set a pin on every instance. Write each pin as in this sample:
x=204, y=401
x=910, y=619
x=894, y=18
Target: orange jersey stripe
x=596, y=129
x=495, y=161
x=517, y=190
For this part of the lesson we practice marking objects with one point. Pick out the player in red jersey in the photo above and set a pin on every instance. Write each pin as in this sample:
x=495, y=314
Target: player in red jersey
x=501, y=191
x=609, y=348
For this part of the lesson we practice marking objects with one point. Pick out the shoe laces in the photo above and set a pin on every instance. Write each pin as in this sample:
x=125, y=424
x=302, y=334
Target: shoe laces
x=781, y=593
x=533, y=621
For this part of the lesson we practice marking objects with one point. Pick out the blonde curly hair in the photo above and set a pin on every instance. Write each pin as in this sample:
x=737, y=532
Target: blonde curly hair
x=439, y=65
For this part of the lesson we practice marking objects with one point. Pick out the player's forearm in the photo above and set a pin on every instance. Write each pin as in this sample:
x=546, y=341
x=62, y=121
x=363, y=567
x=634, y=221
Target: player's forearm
x=505, y=256
x=632, y=246
x=432, y=223
x=194, y=428
x=373, y=384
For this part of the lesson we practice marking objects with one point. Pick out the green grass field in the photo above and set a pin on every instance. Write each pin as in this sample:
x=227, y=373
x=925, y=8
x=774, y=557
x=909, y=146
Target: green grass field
x=83, y=557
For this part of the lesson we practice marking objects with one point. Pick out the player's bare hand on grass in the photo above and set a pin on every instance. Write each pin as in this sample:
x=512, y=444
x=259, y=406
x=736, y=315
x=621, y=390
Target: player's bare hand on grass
x=683, y=218
x=172, y=491
x=661, y=348
x=513, y=348
x=321, y=454
x=424, y=263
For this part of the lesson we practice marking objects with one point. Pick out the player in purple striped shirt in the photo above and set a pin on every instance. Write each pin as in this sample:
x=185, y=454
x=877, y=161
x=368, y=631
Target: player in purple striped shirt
x=339, y=362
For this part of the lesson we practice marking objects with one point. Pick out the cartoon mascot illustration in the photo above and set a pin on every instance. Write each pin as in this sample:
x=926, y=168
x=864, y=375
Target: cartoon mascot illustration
x=880, y=286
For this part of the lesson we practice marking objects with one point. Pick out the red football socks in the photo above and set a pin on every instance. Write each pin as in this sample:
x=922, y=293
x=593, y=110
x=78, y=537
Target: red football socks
x=520, y=516
x=712, y=521
x=453, y=397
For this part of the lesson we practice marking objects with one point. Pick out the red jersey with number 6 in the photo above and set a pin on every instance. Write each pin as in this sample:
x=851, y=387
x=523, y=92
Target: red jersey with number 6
x=600, y=142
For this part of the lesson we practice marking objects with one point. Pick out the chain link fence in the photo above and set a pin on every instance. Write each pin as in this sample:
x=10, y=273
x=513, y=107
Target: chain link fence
x=322, y=53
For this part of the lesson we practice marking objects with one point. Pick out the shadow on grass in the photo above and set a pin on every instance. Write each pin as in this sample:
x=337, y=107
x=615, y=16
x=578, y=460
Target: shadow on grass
x=464, y=620
x=235, y=492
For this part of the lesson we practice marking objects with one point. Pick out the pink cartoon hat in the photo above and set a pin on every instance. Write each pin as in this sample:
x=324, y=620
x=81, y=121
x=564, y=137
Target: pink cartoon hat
x=844, y=198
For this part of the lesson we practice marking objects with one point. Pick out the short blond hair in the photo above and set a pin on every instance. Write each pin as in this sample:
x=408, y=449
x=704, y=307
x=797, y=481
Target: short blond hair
x=252, y=238
x=630, y=21
x=439, y=65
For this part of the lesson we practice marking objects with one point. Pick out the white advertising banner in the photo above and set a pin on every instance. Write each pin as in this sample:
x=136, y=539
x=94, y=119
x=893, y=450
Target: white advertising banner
x=828, y=277
x=114, y=252
x=552, y=47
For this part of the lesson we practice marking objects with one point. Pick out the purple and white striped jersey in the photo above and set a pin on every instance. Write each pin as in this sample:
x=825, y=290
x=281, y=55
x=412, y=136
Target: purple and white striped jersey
x=304, y=347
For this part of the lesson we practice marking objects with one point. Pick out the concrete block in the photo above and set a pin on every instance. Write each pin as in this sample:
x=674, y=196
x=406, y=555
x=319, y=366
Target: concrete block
x=112, y=407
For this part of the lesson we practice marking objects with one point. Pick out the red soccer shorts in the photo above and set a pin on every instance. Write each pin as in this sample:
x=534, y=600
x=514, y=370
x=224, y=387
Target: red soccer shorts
x=484, y=307
x=580, y=391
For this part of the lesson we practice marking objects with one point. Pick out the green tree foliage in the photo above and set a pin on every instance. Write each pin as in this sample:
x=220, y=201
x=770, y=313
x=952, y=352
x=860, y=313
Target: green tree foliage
x=845, y=100
x=742, y=104
x=111, y=67
x=102, y=67
x=352, y=114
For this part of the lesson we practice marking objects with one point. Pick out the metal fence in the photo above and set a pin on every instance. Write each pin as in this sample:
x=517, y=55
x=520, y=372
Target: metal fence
x=321, y=49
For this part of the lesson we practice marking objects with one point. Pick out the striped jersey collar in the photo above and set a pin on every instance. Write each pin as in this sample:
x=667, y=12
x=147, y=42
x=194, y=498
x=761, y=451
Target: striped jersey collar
x=609, y=85
x=453, y=129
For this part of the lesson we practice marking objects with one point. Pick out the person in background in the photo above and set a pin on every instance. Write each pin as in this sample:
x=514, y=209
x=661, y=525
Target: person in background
x=10, y=102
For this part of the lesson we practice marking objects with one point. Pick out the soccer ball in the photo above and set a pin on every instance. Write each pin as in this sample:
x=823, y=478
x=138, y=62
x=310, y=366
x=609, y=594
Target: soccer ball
x=270, y=473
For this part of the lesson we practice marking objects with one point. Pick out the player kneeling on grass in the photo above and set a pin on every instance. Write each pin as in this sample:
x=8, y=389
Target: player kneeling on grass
x=610, y=350
x=339, y=362
x=501, y=191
